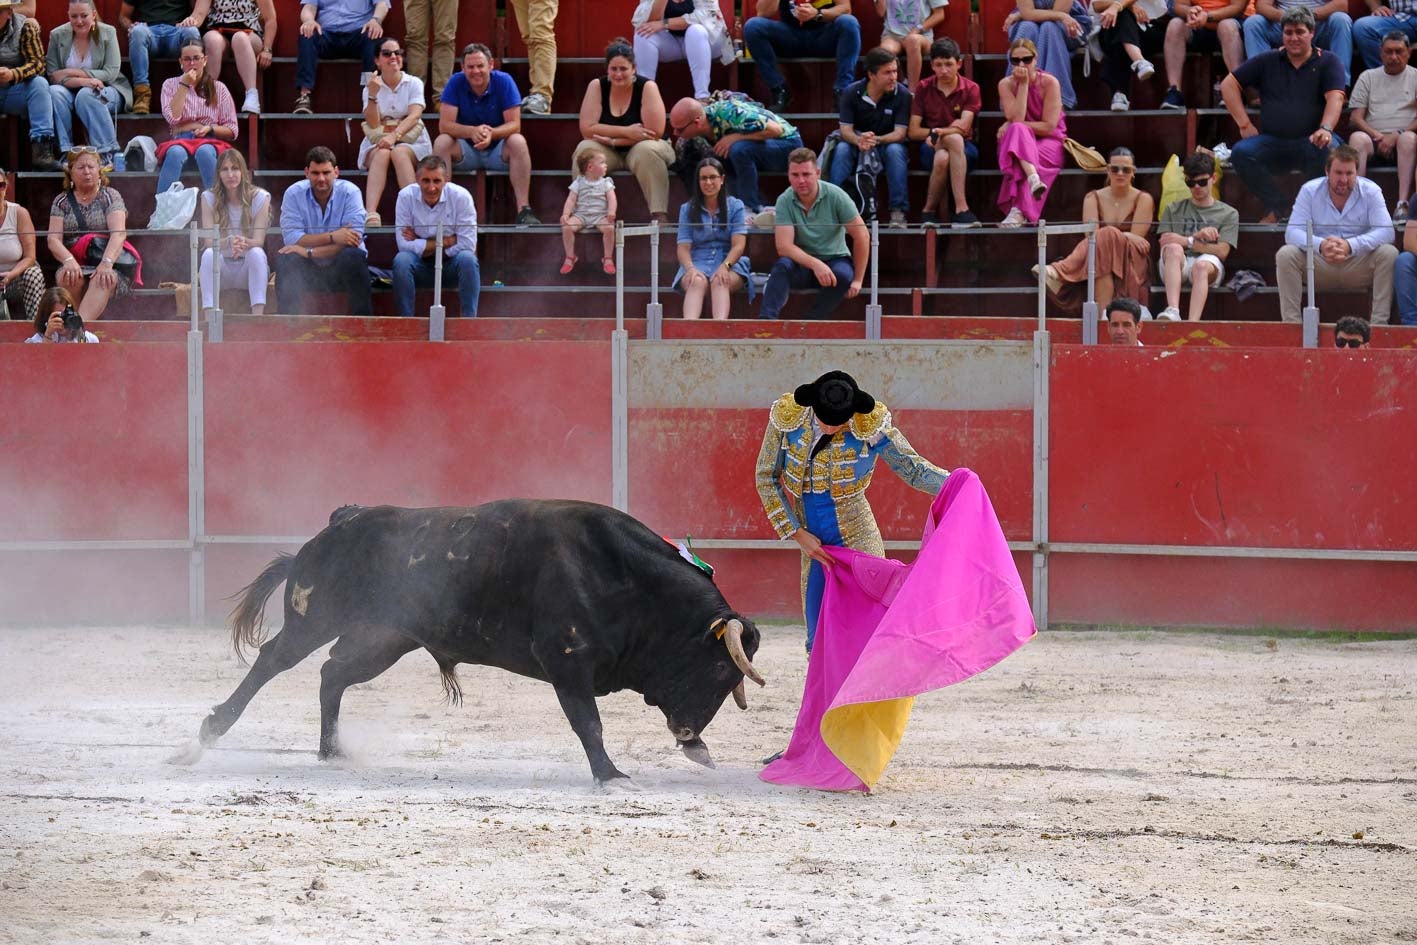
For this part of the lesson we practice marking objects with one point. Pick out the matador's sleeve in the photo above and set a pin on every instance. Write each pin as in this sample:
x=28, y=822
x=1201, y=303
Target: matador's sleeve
x=913, y=469
x=769, y=469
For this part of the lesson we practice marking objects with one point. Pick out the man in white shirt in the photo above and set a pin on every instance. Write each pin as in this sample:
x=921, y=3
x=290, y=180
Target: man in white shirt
x=421, y=206
x=1384, y=117
x=1352, y=238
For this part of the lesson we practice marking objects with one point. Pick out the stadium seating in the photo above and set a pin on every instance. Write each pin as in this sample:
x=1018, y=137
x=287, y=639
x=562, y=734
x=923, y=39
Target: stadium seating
x=949, y=273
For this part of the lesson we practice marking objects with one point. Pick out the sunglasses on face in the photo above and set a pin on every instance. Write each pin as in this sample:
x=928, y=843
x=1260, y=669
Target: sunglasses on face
x=1121, y=169
x=1348, y=342
x=1197, y=181
x=391, y=53
x=1020, y=60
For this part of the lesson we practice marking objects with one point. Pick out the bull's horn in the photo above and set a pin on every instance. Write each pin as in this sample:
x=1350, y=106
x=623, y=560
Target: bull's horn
x=739, y=696
x=733, y=638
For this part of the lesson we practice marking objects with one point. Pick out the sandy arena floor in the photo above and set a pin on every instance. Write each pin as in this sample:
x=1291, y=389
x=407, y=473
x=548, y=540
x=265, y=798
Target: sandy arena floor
x=1094, y=788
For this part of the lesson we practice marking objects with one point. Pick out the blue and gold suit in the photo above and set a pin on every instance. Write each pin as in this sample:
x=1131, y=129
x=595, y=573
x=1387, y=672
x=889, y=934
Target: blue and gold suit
x=827, y=494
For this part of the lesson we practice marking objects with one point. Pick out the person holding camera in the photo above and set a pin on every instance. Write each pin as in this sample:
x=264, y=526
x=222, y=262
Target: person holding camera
x=21, y=279
x=56, y=321
x=87, y=212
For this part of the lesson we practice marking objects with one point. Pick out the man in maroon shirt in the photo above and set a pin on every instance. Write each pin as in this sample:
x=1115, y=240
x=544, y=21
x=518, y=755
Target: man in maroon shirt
x=942, y=118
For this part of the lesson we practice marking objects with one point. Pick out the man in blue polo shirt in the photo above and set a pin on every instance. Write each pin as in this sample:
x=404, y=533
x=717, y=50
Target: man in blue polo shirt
x=1301, y=99
x=480, y=126
x=874, y=116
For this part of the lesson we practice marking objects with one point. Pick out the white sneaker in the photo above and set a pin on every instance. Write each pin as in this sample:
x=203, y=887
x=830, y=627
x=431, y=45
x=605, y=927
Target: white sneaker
x=251, y=104
x=536, y=104
x=1014, y=220
x=1120, y=102
x=1169, y=314
x=1143, y=68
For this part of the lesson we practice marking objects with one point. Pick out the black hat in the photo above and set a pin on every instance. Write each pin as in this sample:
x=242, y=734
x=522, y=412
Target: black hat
x=834, y=397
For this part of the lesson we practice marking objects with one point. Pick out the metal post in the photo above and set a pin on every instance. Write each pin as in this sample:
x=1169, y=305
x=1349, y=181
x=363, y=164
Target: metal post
x=1042, y=275
x=619, y=275
x=1311, y=311
x=873, y=307
x=620, y=412
x=196, y=483
x=1041, y=356
x=1089, y=308
x=437, y=314
x=196, y=299
x=214, y=316
x=654, y=311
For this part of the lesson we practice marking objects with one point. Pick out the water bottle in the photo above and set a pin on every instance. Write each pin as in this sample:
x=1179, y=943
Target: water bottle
x=120, y=162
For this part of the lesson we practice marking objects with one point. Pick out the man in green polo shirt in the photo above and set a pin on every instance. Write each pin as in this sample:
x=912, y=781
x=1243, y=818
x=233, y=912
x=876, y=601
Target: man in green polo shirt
x=813, y=219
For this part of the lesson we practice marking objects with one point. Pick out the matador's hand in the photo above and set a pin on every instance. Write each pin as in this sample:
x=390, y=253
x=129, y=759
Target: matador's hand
x=812, y=547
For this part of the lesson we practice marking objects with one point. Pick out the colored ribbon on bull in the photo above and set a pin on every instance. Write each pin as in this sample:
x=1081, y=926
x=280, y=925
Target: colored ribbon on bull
x=889, y=631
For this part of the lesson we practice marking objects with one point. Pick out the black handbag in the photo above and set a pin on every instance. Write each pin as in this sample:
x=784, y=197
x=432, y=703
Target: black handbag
x=126, y=264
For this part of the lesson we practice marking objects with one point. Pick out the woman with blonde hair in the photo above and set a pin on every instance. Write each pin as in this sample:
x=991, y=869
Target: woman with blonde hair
x=1122, y=254
x=86, y=211
x=394, y=132
x=1031, y=137
x=241, y=211
x=83, y=64
x=200, y=114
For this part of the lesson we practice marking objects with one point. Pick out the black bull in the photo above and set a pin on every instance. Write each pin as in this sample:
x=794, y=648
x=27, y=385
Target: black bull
x=572, y=593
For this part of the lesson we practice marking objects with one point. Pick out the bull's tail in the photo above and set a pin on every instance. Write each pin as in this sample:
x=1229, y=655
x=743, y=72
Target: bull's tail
x=452, y=690
x=248, y=617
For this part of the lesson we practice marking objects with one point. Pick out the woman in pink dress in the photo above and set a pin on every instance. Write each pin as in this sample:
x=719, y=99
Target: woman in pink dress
x=1031, y=138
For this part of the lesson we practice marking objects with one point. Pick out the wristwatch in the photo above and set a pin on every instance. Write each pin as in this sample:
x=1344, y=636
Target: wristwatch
x=309, y=252
x=1327, y=128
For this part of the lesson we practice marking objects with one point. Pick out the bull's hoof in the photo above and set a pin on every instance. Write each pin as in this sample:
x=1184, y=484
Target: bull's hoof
x=188, y=754
x=330, y=754
x=618, y=785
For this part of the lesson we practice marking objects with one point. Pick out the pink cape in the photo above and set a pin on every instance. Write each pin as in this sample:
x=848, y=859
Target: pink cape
x=889, y=631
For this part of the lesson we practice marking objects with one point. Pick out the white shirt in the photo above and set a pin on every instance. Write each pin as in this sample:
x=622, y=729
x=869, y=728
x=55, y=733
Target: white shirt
x=454, y=209
x=1364, y=220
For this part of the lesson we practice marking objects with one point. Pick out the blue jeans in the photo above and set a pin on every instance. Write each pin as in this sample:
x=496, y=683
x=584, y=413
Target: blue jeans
x=1257, y=159
x=175, y=160
x=311, y=49
x=32, y=96
x=786, y=275
x=897, y=161
x=1404, y=286
x=156, y=39
x=412, y=271
x=767, y=38
x=1334, y=34
x=747, y=158
x=1368, y=33
x=98, y=112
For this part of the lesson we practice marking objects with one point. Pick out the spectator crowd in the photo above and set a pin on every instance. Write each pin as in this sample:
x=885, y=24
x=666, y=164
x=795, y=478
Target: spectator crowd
x=1289, y=77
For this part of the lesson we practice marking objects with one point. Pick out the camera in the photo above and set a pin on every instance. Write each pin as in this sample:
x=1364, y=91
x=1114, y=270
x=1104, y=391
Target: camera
x=73, y=322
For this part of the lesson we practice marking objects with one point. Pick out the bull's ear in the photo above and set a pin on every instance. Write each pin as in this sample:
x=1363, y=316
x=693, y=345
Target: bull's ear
x=715, y=631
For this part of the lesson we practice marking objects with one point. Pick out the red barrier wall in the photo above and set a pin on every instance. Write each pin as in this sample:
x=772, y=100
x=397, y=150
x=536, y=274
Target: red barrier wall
x=1267, y=447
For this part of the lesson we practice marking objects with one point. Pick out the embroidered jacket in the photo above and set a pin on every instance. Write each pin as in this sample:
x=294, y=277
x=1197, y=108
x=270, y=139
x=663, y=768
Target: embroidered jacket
x=843, y=468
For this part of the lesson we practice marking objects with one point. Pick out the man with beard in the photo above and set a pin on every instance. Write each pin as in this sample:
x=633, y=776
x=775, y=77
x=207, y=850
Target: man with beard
x=1352, y=239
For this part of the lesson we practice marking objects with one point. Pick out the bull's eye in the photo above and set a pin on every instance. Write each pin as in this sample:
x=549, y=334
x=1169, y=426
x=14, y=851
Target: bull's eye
x=724, y=670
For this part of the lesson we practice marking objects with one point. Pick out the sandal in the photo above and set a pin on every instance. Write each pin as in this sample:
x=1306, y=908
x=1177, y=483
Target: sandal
x=568, y=265
x=607, y=265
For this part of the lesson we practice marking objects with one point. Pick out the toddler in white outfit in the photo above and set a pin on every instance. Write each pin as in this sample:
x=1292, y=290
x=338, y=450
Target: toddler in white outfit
x=591, y=203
